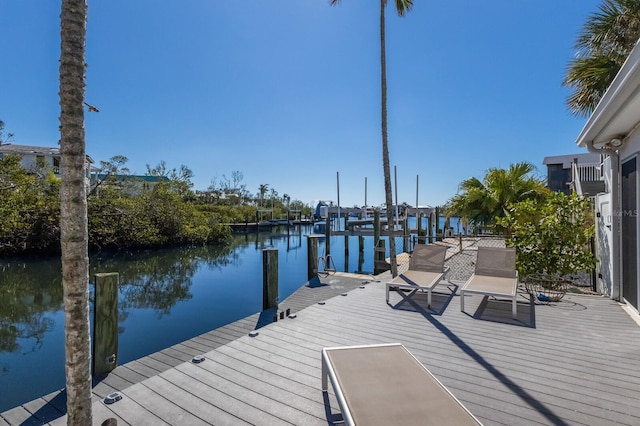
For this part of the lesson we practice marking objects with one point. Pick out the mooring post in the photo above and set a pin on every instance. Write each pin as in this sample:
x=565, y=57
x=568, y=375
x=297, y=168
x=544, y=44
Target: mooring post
x=360, y=244
x=327, y=235
x=405, y=240
x=269, y=278
x=379, y=258
x=346, y=244
x=376, y=227
x=105, y=323
x=312, y=256
x=419, y=225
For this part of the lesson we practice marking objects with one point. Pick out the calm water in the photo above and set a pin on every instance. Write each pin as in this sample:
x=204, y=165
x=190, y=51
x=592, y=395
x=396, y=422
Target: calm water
x=165, y=297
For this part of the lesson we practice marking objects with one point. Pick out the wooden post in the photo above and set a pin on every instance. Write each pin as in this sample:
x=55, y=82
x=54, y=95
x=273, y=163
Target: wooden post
x=379, y=254
x=327, y=235
x=312, y=256
x=376, y=227
x=429, y=228
x=419, y=224
x=360, y=243
x=105, y=323
x=405, y=240
x=269, y=278
x=346, y=244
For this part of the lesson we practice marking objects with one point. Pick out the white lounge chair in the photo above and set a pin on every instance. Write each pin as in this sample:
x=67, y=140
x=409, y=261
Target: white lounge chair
x=386, y=385
x=426, y=270
x=495, y=275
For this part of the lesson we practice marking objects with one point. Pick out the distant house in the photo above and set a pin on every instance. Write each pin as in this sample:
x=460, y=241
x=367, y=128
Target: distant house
x=612, y=131
x=132, y=184
x=566, y=172
x=30, y=155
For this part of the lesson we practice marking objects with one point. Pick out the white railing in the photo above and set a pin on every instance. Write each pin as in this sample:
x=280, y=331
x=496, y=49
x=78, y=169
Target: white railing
x=589, y=172
x=575, y=184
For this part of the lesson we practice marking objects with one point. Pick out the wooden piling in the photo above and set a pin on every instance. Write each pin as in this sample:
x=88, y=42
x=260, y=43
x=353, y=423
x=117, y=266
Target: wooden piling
x=405, y=231
x=376, y=226
x=312, y=256
x=105, y=323
x=327, y=234
x=269, y=278
x=379, y=258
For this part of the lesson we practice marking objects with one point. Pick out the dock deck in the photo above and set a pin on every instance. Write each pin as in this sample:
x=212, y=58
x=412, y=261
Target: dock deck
x=575, y=362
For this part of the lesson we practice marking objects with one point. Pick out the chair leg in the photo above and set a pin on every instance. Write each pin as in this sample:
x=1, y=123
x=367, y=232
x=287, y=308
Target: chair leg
x=428, y=298
x=324, y=374
x=387, y=292
x=461, y=300
x=514, y=307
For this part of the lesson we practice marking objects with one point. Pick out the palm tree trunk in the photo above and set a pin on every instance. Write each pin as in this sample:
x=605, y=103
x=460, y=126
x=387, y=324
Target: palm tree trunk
x=73, y=215
x=385, y=144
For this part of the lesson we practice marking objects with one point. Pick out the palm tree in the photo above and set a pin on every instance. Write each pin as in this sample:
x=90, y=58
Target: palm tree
x=402, y=7
x=73, y=212
x=482, y=202
x=262, y=189
x=601, y=48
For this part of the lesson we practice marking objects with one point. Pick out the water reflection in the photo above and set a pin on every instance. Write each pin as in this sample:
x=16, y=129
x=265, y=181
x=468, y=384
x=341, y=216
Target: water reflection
x=25, y=298
x=165, y=297
x=159, y=279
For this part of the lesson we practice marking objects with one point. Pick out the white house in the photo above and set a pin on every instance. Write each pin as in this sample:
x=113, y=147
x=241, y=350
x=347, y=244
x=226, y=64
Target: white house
x=31, y=154
x=612, y=130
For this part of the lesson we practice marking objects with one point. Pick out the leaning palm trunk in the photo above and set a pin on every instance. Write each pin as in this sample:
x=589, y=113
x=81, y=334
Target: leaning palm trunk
x=385, y=145
x=73, y=214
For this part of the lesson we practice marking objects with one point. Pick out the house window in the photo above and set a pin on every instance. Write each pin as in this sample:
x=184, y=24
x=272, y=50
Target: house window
x=56, y=165
x=558, y=178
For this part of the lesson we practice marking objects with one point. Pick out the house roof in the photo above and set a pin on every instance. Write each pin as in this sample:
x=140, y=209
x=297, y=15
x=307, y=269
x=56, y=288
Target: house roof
x=618, y=112
x=35, y=150
x=122, y=178
x=566, y=160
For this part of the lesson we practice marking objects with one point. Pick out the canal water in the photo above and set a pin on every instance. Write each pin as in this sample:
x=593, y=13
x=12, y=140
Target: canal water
x=165, y=297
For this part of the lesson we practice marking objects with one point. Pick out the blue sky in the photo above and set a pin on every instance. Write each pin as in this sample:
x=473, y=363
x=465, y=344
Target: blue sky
x=288, y=91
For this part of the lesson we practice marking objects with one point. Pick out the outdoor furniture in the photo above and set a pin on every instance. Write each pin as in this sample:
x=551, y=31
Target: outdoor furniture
x=386, y=385
x=495, y=275
x=426, y=270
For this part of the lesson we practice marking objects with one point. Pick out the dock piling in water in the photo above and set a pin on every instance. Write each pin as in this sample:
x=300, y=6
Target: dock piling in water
x=105, y=323
x=269, y=278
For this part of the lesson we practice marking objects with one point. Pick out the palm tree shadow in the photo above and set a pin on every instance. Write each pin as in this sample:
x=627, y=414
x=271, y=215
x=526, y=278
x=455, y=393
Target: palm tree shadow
x=495, y=310
x=529, y=399
x=418, y=302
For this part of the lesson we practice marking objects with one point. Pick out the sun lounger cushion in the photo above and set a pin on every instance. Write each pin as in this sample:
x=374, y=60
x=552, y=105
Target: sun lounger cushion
x=386, y=385
x=426, y=270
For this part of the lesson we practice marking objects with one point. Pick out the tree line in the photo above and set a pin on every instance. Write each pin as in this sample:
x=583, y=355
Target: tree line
x=126, y=211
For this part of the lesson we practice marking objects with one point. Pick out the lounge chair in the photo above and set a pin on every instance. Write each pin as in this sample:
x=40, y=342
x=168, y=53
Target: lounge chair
x=426, y=270
x=495, y=275
x=386, y=385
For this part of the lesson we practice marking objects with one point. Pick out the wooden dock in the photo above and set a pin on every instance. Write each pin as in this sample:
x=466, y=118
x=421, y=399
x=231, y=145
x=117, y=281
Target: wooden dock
x=575, y=362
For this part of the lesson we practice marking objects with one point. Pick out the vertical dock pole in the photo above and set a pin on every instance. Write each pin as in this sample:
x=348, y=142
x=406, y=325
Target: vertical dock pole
x=105, y=323
x=269, y=278
x=376, y=227
x=312, y=256
x=405, y=239
x=327, y=235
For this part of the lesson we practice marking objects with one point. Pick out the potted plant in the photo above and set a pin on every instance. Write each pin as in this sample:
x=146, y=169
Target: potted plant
x=551, y=238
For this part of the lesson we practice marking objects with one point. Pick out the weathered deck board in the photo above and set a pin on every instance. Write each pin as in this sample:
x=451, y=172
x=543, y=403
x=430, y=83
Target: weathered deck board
x=575, y=362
